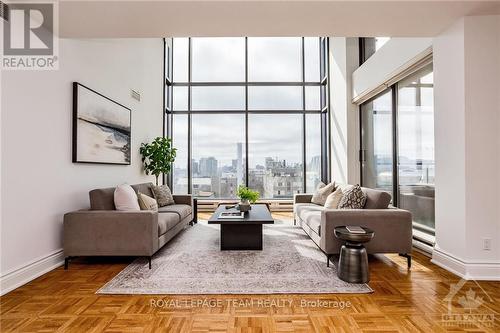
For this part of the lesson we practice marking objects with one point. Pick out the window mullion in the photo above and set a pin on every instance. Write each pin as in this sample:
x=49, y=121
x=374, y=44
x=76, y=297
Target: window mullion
x=190, y=134
x=304, y=161
x=246, y=114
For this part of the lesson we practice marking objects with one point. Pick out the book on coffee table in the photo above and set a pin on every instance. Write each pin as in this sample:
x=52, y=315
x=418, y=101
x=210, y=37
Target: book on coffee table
x=354, y=229
x=232, y=215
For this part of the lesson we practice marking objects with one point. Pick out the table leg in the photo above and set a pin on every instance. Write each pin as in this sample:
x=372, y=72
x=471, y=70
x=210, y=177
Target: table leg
x=240, y=236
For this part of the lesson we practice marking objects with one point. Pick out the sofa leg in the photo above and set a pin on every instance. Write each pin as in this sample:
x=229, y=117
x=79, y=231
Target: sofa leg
x=66, y=263
x=195, y=211
x=149, y=260
x=328, y=256
x=408, y=258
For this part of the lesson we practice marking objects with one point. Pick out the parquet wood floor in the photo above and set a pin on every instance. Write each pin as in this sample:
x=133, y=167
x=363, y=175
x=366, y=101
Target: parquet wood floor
x=403, y=301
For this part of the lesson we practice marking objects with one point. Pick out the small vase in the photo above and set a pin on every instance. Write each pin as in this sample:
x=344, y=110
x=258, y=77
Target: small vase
x=244, y=206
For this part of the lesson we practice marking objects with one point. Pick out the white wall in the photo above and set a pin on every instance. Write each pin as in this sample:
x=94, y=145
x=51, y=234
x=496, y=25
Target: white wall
x=449, y=99
x=39, y=181
x=344, y=116
x=467, y=86
x=388, y=60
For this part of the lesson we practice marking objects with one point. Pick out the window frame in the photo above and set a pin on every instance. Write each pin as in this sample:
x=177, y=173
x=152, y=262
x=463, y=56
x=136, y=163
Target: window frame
x=324, y=102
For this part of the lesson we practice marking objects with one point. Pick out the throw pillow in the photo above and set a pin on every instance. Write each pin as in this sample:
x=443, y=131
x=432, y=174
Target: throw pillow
x=353, y=198
x=146, y=202
x=163, y=195
x=125, y=198
x=332, y=201
x=322, y=192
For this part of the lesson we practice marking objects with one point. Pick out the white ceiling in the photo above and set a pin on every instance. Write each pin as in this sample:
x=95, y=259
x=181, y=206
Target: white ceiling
x=93, y=19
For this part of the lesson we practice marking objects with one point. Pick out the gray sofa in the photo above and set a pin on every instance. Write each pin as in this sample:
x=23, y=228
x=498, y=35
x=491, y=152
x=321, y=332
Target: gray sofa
x=392, y=227
x=104, y=231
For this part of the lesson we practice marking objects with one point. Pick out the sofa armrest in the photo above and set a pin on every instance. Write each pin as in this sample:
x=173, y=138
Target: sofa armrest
x=395, y=225
x=184, y=199
x=113, y=233
x=302, y=198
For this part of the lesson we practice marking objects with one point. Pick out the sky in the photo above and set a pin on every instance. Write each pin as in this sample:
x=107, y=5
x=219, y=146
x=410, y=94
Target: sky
x=269, y=60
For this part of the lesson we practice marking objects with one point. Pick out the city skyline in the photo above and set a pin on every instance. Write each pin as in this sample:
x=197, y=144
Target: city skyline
x=275, y=178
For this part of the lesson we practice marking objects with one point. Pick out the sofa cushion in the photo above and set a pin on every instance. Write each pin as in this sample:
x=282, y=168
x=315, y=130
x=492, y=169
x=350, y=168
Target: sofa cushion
x=146, y=202
x=313, y=219
x=182, y=211
x=102, y=199
x=332, y=201
x=305, y=207
x=354, y=198
x=163, y=195
x=376, y=199
x=126, y=198
x=322, y=192
x=144, y=188
x=167, y=221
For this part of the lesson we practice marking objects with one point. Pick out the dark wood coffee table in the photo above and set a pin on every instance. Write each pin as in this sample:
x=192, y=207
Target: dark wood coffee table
x=245, y=233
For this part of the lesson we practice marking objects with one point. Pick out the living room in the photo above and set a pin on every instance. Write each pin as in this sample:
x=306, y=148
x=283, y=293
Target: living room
x=250, y=166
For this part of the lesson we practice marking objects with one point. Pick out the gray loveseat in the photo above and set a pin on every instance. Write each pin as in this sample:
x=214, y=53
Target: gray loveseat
x=104, y=231
x=392, y=226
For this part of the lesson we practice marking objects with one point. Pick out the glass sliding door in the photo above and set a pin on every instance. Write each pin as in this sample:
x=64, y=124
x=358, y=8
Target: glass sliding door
x=416, y=148
x=397, y=148
x=377, y=143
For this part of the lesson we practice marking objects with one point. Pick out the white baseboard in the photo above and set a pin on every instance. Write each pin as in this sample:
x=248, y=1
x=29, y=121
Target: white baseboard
x=480, y=271
x=22, y=275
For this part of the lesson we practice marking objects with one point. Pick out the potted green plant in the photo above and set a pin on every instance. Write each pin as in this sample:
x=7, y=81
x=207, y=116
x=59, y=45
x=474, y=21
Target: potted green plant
x=158, y=156
x=247, y=196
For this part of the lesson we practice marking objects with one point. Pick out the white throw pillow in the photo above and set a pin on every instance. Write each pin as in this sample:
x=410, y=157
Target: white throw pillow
x=332, y=201
x=322, y=192
x=125, y=198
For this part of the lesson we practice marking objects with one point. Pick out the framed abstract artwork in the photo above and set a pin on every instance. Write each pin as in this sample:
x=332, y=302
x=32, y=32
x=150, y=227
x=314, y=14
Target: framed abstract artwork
x=101, y=128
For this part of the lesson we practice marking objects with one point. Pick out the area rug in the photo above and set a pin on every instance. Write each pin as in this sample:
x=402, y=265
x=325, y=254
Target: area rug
x=192, y=263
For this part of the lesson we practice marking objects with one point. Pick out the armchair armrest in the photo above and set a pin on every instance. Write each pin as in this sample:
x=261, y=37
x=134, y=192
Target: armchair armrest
x=113, y=233
x=302, y=198
x=185, y=199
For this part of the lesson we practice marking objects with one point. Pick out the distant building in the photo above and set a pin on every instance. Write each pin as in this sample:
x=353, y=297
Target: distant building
x=228, y=185
x=208, y=167
x=239, y=164
x=281, y=180
x=195, y=167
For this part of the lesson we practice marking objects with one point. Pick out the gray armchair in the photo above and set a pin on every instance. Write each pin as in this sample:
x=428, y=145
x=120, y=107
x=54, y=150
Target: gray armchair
x=104, y=231
x=392, y=226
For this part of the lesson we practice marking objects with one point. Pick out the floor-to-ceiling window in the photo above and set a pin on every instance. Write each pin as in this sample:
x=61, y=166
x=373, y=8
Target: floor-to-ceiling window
x=377, y=142
x=397, y=147
x=415, y=123
x=247, y=111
